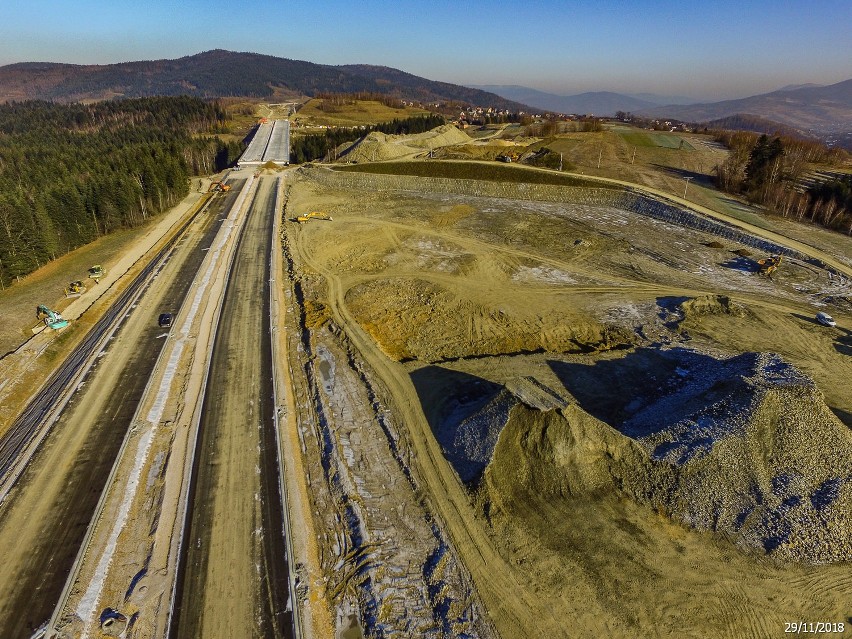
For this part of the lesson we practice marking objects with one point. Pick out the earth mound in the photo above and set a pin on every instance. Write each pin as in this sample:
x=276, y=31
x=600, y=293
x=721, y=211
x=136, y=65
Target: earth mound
x=413, y=319
x=377, y=146
x=744, y=446
x=710, y=305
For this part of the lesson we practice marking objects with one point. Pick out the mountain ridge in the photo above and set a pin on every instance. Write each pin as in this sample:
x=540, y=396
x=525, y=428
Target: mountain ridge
x=604, y=103
x=821, y=110
x=809, y=109
x=221, y=73
x=592, y=102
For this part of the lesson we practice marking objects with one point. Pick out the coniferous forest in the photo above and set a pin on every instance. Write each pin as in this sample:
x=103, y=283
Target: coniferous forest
x=70, y=173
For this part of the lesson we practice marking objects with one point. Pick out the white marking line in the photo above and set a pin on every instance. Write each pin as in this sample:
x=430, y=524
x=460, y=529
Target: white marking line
x=89, y=601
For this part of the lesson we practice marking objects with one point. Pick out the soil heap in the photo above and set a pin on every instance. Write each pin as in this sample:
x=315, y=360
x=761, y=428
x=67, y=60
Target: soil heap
x=413, y=319
x=378, y=146
x=745, y=446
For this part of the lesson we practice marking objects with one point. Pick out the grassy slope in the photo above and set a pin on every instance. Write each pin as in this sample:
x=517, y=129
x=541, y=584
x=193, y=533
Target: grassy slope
x=655, y=160
x=357, y=113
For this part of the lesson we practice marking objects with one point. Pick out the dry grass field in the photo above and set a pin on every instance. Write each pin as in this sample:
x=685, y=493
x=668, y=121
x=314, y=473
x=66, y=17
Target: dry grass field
x=318, y=112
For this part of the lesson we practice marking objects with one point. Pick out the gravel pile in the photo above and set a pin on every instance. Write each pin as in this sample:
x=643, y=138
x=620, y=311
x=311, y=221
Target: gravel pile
x=468, y=444
x=744, y=446
x=377, y=146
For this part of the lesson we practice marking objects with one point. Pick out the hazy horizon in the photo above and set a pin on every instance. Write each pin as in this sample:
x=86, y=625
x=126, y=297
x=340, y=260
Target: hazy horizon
x=712, y=51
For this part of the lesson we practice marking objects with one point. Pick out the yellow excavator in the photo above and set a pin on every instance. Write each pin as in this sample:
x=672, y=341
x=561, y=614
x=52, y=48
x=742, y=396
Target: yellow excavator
x=313, y=215
x=75, y=289
x=768, y=265
x=219, y=186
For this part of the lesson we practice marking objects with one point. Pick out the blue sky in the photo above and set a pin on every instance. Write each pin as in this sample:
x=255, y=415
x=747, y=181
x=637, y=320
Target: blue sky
x=707, y=50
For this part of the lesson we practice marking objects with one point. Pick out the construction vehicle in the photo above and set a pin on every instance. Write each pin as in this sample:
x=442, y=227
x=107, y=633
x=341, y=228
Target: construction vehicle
x=219, y=186
x=825, y=319
x=768, y=265
x=512, y=156
x=313, y=215
x=75, y=289
x=97, y=272
x=51, y=319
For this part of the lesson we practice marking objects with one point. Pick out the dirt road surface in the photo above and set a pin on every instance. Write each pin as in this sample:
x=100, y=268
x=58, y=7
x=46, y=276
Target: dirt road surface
x=235, y=579
x=123, y=576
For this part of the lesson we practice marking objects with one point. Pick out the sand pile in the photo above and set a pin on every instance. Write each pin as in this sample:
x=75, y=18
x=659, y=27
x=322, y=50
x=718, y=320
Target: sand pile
x=375, y=146
x=744, y=446
x=444, y=135
x=710, y=305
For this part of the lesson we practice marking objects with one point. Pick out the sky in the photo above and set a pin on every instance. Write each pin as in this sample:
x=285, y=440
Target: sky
x=708, y=50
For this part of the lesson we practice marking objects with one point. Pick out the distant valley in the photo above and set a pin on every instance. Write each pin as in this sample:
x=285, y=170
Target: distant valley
x=604, y=103
x=807, y=109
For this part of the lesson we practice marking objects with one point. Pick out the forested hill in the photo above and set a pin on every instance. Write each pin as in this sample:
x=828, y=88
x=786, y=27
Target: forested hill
x=70, y=173
x=223, y=74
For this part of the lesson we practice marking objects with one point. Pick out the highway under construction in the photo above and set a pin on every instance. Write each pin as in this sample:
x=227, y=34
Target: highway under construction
x=437, y=408
x=270, y=143
x=135, y=489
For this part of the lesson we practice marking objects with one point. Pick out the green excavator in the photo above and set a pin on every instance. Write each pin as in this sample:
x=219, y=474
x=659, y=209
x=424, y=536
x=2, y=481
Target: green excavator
x=51, y=319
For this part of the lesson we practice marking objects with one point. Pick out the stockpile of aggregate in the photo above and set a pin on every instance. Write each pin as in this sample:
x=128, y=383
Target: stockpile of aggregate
x=376, y=146
x=469, y=442
x=743, y=446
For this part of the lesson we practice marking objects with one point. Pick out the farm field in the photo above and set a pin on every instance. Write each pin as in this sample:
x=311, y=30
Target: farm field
x=317, y=111
x=636, y=137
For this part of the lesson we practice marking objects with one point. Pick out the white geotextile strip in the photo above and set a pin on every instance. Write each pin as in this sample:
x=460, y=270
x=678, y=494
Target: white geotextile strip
x=89, y=600
x=88, y=603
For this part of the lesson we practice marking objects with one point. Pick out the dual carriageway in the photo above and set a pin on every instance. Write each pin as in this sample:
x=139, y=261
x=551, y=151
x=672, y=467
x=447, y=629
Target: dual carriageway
x=271, y=143
x=150, y=461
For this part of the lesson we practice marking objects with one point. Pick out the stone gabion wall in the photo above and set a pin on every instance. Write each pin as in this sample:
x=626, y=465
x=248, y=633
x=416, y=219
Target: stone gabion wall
x=623, y=198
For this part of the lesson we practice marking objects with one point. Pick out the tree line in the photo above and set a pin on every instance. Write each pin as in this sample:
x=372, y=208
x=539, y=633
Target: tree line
x=317, y=146
x=771, y=171
x=331, y=102
x=70, y=173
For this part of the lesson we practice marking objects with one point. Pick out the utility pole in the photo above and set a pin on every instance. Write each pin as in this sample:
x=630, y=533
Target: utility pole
x=686, y=187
